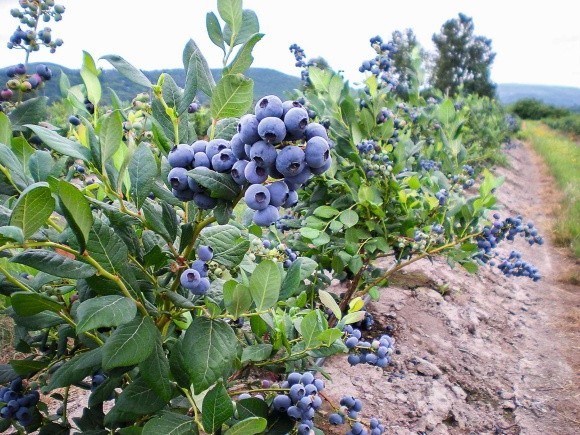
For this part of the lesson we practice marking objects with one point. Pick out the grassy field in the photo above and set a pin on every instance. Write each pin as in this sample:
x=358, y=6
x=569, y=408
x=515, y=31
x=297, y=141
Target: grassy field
x=562, y=155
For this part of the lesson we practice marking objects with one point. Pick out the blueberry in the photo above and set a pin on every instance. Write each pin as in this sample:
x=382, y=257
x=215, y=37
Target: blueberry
x=194, y=186
x=290, y=161
x=255, y=174
x=180, y=156
x=297, y=180
x=282, y=402
x=267, y=216
x=16, y=384
x=323, y=168
x=317, y=152
x=204, y=252
x=177, y=178
x=223, y=161
x=296, y=121
x=263, y=153
x=215, y=146
x=293, y=378
x=238, y=172
x=202, y=288
x=244, y=396
x=272, y=130
x=357, y=406
x=294, y=413
x=303, y=429
x=278, y=193
x=257, y=197
x=357, y=428
x=307, y=378
x=336, y=419
x=351, y=342
x=269, y=106
x=248, y=129
x=74, y=120
x=6, y=413
x=201, y=267
x=314, y=129
x=190, y=279
x=199, y=146
x=347, y=401
x=200, y=159
x=23, y=416
x=203, y=201
x=292, y=199
x=183, y=195
x=238, y=147
x=289, y=104
x=319, y=384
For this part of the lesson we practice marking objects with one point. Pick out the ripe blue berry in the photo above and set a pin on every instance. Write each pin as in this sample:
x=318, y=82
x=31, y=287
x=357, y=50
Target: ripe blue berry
x=290, y=161
x=292, y=199
x=238, y=147
x=267, y=216
x=336, y=419
x=199, y=146
x=180, y=156
x=204, y=201
x=314, y=129
x=282, y=402
x=255, y=174
x=269, y=106
x=204, y=253
x=248, y=129
x=223, y=161
x=190, y=279
x=296, y=121
x=238, y=172
x=215, y=146
x=177, y=178
x=257, y=197
x=317, y=152
x=200, y=159
x=272, y=130
x=263, y=153
x=278, y=193
x=202, y=288
x=74, y=120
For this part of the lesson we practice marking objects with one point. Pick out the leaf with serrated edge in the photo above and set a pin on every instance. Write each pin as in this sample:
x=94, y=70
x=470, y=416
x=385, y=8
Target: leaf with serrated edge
x=105, y=311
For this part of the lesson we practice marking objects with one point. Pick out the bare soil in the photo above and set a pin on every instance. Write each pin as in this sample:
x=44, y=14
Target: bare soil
x=479, y=354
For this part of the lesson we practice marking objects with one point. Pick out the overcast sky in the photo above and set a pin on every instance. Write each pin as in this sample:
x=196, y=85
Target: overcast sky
x=536, y=42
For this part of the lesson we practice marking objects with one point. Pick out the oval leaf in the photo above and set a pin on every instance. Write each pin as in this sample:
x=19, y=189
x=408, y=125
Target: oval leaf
x=265, y=284
x=60, y=144
x=232, y=96
x=28, y=303
x=76, y=210
x=170, y=423
x=220, y=185
x=130, y=344
x=216, y=408
x=105, y=311
x=249, y=426
x=54, y=264
x=32, y=209
x=127, y=70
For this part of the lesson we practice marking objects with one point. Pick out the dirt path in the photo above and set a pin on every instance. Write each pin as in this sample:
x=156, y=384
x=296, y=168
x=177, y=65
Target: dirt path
x=479, y=354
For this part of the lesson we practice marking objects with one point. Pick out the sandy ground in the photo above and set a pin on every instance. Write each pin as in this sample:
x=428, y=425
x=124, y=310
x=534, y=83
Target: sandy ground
x=490, y=355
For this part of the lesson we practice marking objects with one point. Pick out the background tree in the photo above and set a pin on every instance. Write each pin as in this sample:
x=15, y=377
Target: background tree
x=462, y=59
x=405, y=42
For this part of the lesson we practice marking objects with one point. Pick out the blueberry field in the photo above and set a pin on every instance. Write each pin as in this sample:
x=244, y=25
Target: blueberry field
x=339, y=259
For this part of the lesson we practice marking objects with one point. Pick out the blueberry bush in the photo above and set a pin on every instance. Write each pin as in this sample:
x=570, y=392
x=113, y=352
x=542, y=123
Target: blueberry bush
x=174, y=259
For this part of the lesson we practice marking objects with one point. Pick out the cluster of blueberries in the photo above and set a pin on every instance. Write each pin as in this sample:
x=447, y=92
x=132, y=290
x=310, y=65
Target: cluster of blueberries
x=429, y=165
x=299, y=56
x=380, y=66
x=16, y=404
x=508, y=229
x=302, y=400
x=442, y=196
x=277, y=142
x=195, y=278
x=19, y=80
x=375, y=353
x=349, y=409
x=291, y=255
x=30, y=40
x=374, y=160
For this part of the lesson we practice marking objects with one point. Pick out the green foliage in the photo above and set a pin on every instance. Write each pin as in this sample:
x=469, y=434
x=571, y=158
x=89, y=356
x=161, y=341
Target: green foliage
x=462, y=60
x=530, y=108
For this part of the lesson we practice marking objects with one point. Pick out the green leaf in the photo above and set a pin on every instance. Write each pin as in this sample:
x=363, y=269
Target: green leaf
x=110, y=135
x=40, y=165
x=33, y=208
x=328, y=336
x=251, y=407
x=209, y=349
x=214, y=30
x=30, y=111
x=216, y=409
x=250, y=26
x=105, y=311
x=90, y=76
x=11, y=233
x=28, y=303
x=135, y=400
x=76, y=369
x=349, y=218
x=265, y=284
x=106, y=247
x=153, y=214
x=155, y=371
x=10, y=161
x=446, y=112
x=249, y=426
x=256, y=352
x=142, y=173
x=170, y=423
x=172, y=93
x=61, y=144
x=244, y=58
x=325, y=212
x=76, y=210
x=127, y=70
x=309, y=233
x=190, y=89
x=319, y=78
x=54, y=264
x=27, y=367
x=307, y=267
x=232, y=96
x=312, y=325
x=229, y=246
x=353, y=317
x=220, y=185
x=231, y=13
x=291, y=281
x=130, y=343
x=205, y=81
x=226, y=128
x=5, y=129
x=329, y=302
x=237, y=298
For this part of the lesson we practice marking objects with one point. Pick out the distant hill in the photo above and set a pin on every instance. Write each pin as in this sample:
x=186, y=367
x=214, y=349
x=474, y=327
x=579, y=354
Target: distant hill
x=559, y=96
x=269, y=81
x=266, y=81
